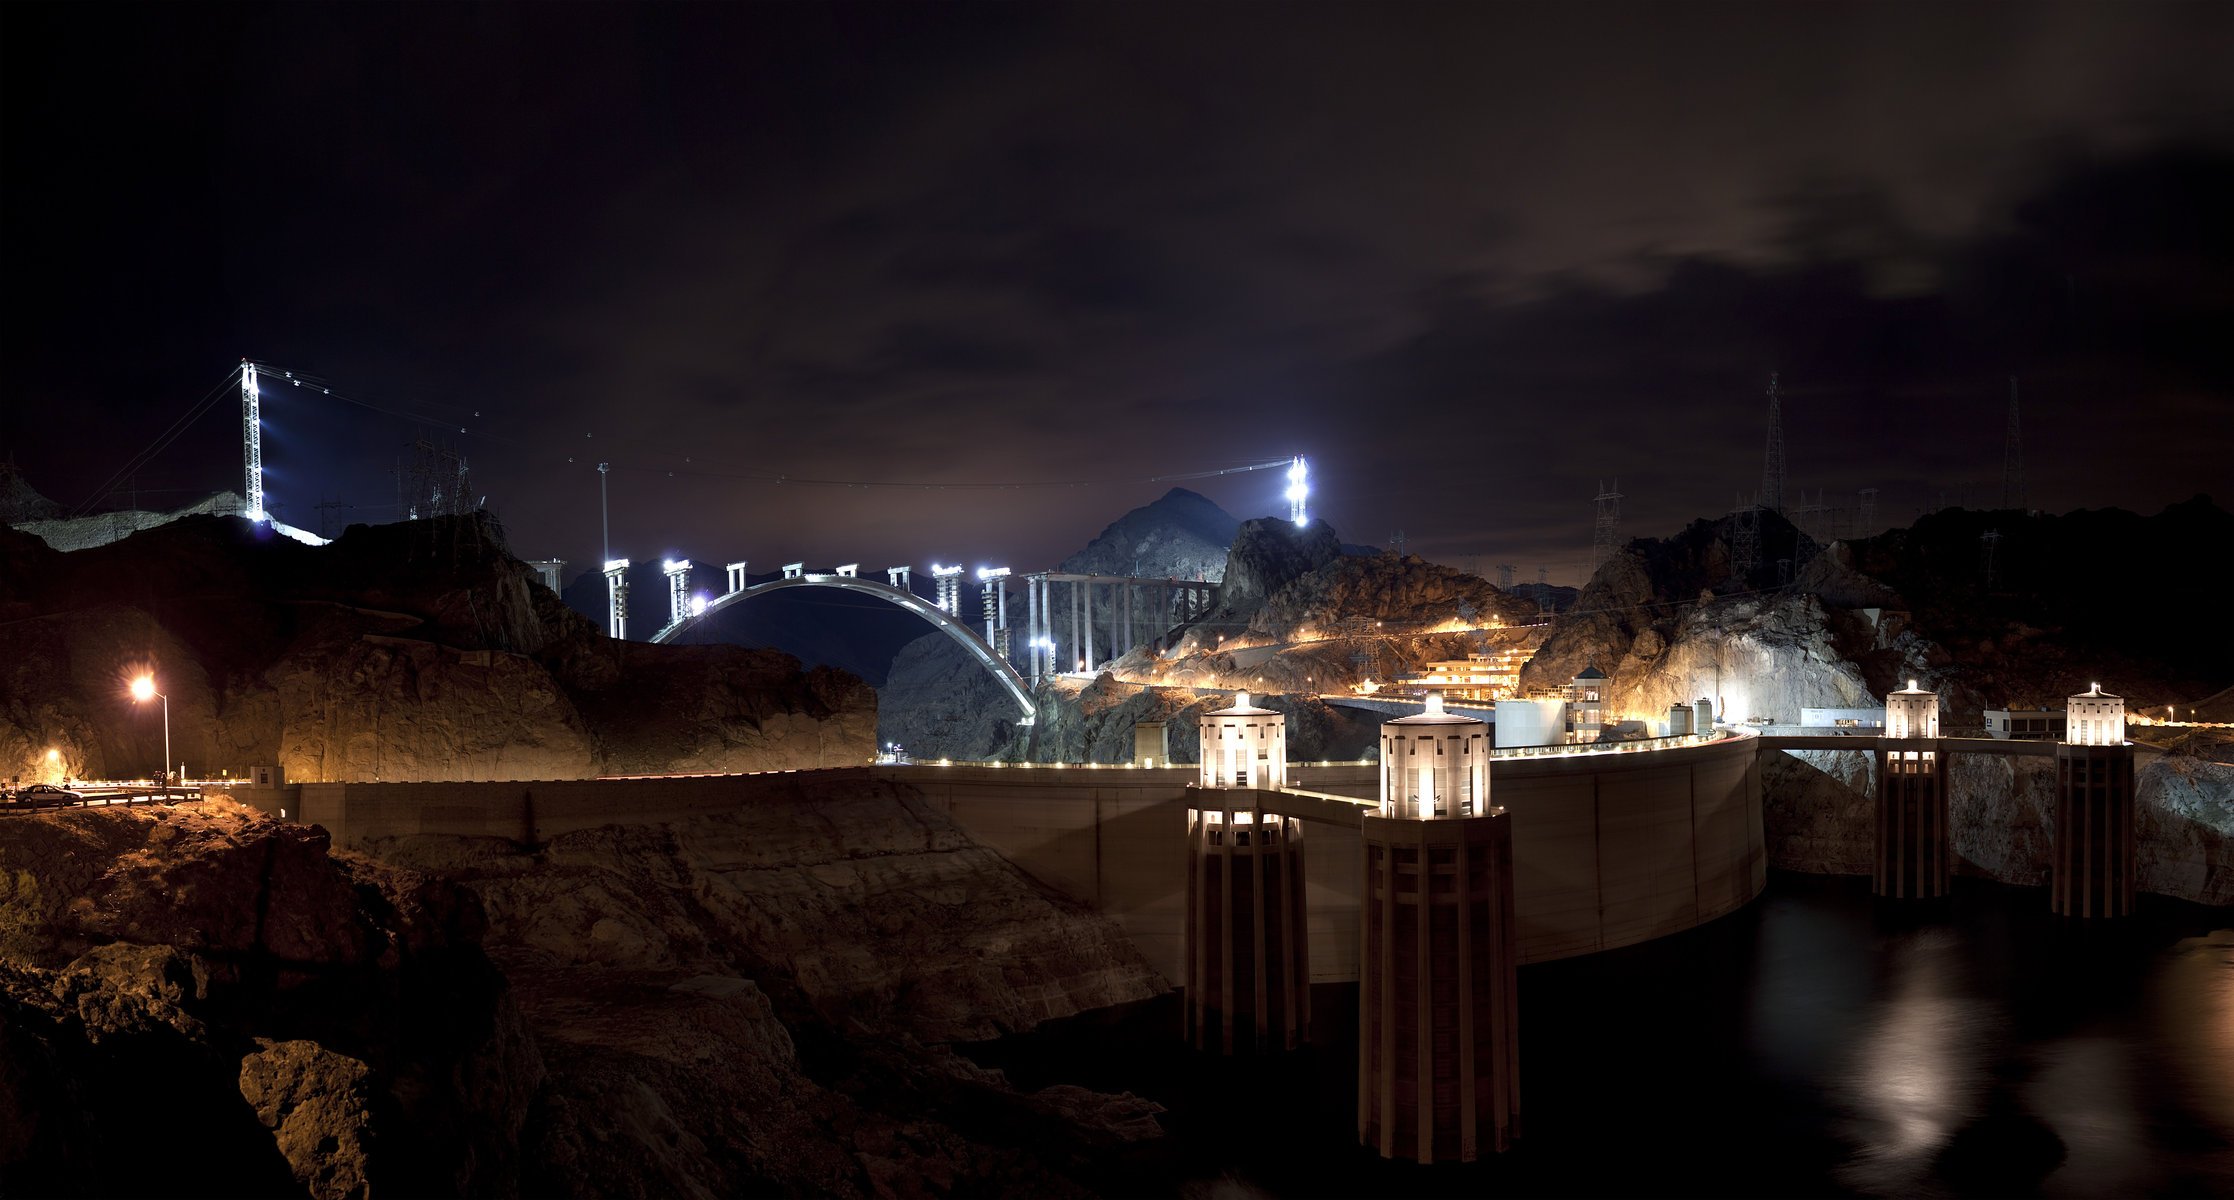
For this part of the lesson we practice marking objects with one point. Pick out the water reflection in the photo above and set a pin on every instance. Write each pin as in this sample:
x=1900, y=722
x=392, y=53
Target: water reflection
x=1917, y=1073
x=1815, y=1042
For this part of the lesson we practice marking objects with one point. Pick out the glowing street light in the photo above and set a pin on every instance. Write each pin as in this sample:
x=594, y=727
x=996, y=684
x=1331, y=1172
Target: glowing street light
x=143, y=690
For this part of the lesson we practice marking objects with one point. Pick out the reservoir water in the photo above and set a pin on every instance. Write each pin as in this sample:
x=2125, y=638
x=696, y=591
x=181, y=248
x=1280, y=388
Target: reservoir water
x=1816, y=1042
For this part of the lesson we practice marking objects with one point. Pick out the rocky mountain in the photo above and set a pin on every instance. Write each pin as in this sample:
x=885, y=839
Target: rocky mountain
x=1182, y=535
x=758, y=1003
x=1267, y=554
x=421, y=650
x=1665, y=618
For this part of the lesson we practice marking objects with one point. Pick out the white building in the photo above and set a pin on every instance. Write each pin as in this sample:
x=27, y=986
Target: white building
x=1244, y=746
x=1535, y=721
x=2094, y=718
x=1435, y=764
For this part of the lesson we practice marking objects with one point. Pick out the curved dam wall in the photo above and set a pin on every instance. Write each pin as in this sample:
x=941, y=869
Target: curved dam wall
x=1609, y=849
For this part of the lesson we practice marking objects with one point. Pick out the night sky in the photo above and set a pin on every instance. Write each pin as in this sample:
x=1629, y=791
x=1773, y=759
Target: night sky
x=1469, y=259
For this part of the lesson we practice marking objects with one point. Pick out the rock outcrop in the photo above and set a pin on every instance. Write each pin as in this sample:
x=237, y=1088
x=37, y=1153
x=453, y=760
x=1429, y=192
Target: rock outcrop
x=262, y=1016
x=1267, y=555
x=758, y=1002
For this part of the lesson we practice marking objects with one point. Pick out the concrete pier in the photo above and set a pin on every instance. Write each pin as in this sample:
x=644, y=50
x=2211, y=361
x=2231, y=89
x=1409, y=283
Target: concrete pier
x=1248, y=953
x=1438, y=995
x=2092, y=872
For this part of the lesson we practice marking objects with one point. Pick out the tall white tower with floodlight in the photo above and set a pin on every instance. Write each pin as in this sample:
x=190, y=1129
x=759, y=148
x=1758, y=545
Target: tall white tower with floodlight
x=1299, y=490
x=252, y=442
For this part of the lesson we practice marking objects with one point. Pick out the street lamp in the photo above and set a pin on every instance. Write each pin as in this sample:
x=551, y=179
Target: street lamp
x=143, y=690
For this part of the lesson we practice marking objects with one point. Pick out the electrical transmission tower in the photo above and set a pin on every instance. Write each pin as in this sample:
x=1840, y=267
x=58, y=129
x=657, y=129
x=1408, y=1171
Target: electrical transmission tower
x=1772, y=463
x=1396, y=542
x=2013, y=457
x=1608, y=539
x=1504, y=577
x=1866, y=522
x=438, y=483
x=325, y=506
x=1745, y=541
x=1990, y=539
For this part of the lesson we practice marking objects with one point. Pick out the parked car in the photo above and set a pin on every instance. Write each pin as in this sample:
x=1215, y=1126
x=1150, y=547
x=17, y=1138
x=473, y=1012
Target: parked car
x=46, y=795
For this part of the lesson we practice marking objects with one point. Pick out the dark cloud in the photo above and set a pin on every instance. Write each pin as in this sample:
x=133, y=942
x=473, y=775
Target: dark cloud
x=1472, y=259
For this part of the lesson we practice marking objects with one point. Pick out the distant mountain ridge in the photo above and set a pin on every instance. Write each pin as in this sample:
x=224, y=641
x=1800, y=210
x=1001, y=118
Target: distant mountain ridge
x=1182, y=535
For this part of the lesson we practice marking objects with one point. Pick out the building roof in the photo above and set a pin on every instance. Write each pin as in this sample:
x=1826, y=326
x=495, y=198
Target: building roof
x=1913, y=690
x=1591, y=672
x=1242, y=708
x=2094, y=692
x=1435, y=715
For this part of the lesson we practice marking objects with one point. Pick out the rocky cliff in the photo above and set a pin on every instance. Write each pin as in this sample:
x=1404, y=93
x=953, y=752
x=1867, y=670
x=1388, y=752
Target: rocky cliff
x=760, y=1001
x=754, y=1003
x=413, y=651
x=1818, y=809
x=1094, y=723
x=1668, y=616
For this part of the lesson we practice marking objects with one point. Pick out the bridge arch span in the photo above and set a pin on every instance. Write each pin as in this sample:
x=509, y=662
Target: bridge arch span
x=1010, y=680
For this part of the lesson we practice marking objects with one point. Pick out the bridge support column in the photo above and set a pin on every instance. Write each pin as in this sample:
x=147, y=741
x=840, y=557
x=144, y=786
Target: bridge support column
x=1031, y=628
x=736, y=577
x=1088, y=585
x=616, y=598
x=1248, y=969
x=1913, y=852
x=2093, y=864
x=1438, y=997
x=1072, y=657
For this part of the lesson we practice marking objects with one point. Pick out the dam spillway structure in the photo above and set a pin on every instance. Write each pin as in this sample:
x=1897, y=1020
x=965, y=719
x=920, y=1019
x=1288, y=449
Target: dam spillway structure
x=1913, y=852
x=1248, y=968
x=1438, y=1017
x=2093, y=866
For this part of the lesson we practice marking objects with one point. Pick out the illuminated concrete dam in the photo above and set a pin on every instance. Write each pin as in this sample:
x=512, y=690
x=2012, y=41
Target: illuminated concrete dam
x=1610, y=847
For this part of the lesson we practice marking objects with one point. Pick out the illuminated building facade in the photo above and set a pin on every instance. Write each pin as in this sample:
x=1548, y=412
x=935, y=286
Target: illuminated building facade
x=1586, y=704
x=1913, y=854
x=2093, y=867
x=1438, y=1038
x=1475, y=677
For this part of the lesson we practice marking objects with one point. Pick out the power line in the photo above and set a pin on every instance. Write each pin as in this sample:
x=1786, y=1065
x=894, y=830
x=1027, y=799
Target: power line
x=690, y=468
x=161, y=443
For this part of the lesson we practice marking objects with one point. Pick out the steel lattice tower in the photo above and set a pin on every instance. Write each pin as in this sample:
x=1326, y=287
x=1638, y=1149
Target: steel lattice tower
x=1772, y=464
x=1745, y=541
x=1867, y=521
x=2013, y=457
x=1608, y=538
x=252, y=442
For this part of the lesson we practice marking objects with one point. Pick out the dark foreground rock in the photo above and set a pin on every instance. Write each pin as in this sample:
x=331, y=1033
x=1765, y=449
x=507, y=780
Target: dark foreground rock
x=204, y=1001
